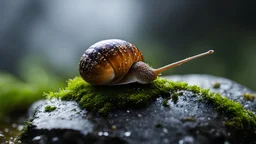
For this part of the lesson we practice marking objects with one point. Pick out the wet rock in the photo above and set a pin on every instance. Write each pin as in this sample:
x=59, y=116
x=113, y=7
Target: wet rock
x=185, y=120
x=228, y=88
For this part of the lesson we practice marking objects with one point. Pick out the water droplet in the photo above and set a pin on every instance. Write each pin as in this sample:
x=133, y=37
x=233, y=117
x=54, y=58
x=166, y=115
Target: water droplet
x=6, y=130
x=100, y=133
x=187, y=140
x=54, y=139
x=36, y=138
x=181, y=142
x=127, y=134
x=165, y=130
x=14, y=125
x=105, y=133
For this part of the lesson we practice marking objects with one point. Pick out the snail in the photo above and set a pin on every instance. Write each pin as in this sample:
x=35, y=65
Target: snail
x=116, y=62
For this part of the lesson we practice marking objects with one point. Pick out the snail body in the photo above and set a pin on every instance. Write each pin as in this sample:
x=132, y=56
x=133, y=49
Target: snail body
x=115, y=62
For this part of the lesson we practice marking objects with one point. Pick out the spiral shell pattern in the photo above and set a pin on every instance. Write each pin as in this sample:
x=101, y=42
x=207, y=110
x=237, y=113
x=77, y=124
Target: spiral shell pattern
x=108, y=61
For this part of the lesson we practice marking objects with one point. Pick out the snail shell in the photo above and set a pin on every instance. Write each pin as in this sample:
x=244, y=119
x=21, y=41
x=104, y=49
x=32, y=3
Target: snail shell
x=108, y=61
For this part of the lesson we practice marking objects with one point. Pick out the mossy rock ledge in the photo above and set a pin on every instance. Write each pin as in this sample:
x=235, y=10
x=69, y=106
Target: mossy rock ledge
x=174, y=109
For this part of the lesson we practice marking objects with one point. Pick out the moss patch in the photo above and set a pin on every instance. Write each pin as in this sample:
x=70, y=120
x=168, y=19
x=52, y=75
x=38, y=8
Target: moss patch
x=17, y=95
x=49, y=108
x=175, y=97
x=24, y=132
x=165, y=102
x=249, y=97
x=158, y=125
x=216, y=85
x=188, y=119
x=102, y=99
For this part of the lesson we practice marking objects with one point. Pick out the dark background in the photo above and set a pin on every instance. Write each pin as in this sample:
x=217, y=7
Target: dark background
x=54, y=34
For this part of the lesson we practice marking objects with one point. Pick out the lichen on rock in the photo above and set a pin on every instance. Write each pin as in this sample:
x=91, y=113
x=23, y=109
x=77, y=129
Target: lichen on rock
x=249, y=97
x=49, y=108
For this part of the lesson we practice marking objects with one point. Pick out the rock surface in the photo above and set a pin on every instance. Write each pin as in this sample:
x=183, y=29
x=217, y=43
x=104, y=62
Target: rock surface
x=185, y=121
x=228, y=88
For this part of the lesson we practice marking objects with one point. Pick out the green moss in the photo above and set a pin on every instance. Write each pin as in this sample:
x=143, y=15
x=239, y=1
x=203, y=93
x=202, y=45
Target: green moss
x=189, y=119
x=27, y=126
x=49, y=108
x=194, y=95
x=193, y=88
x=165, y=102
x=249, y=97
x=158, y=125
x=175, y=97
x=102, y=99
x=200, y=99
x=113, y=127
x=18, y=95
x=216, y=85
x=237, y=115
x=180, y=93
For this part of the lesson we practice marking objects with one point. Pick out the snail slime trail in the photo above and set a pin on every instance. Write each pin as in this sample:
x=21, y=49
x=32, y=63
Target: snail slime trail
x=115, y=62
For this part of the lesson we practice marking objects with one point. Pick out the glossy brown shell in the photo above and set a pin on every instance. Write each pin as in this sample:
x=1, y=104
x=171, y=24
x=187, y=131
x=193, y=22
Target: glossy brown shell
x=108, y=61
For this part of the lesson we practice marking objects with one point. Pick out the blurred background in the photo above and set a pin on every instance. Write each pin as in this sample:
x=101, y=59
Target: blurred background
x=53, y=34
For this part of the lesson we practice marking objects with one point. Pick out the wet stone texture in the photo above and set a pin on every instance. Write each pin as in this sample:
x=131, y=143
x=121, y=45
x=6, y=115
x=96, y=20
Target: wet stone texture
x=228, y=88
x=186, y=121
